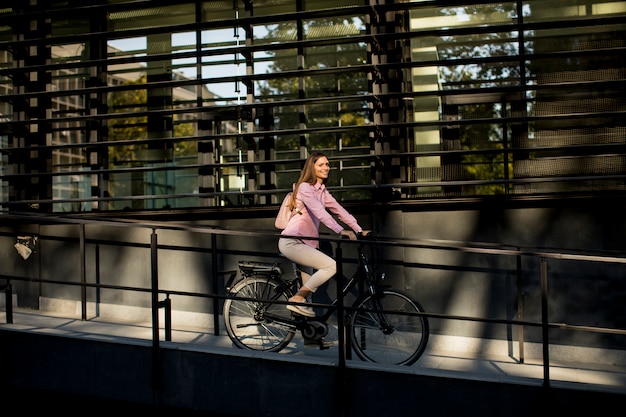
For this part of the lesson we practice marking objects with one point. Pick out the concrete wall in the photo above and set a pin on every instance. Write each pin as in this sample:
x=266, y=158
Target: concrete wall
x=46, y=372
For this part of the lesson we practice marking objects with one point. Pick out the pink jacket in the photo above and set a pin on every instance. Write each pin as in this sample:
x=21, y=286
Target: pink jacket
x=316, y=201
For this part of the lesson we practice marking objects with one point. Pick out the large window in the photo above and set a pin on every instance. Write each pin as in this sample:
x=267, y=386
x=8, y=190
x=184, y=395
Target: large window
x=535, y=98
x=119, y=105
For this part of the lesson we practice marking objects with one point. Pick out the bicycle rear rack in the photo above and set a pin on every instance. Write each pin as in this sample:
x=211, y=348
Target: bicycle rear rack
x=250, y=267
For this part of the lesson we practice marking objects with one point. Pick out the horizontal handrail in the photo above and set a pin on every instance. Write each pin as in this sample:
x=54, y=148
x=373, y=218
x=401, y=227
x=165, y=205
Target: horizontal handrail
x=607, y=256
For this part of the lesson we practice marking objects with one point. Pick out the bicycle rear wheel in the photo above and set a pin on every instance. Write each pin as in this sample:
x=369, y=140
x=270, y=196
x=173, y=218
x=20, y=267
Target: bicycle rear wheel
x=384, y=329
x=252, y=319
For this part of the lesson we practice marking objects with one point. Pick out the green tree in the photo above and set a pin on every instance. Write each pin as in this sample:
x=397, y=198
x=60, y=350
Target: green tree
x=319, y=86
x=133, y=126
x=482, y=136
x=324, y=113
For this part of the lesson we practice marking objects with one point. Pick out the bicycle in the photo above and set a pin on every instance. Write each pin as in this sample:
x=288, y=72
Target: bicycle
x=384, y=325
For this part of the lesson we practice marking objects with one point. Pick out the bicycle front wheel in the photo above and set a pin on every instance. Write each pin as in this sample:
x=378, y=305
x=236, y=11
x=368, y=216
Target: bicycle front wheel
x=253, y=320
x=386, y=330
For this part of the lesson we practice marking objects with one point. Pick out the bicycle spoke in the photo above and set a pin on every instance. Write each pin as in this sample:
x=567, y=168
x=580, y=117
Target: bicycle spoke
x=246, y=320
x=386, y=332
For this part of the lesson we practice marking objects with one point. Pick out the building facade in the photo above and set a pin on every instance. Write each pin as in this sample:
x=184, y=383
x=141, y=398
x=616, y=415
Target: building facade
x=412, y=101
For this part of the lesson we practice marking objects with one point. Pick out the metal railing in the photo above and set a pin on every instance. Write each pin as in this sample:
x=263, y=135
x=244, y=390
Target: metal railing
x=156, y=292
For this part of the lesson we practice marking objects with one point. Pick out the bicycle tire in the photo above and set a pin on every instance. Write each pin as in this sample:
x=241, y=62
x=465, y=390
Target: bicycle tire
x=245, y=315
x=402, y=342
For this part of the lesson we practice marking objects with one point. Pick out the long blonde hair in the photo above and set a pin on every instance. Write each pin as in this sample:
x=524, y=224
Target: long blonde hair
x=307, y=175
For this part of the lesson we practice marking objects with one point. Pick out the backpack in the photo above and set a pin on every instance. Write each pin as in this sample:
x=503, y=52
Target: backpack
x=284, y=213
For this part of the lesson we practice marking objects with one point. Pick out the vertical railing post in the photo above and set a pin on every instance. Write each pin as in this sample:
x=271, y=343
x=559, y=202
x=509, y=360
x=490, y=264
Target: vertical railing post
x=156, y=353
x=520, y=308
x=341, y=330
x=167, y=312
x=96, y=256
x=8, y=297
x=340, y=307
x=83, y=273
x=215, y=284
x=544, y=323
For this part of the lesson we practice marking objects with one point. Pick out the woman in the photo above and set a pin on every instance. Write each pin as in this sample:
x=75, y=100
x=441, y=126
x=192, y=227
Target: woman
x=312, y=200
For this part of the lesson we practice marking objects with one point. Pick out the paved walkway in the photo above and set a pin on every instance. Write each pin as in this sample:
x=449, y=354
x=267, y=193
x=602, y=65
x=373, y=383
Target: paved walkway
x=593, y=377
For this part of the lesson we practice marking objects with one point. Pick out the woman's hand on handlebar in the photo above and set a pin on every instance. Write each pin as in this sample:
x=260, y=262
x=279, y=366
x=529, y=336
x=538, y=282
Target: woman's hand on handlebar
x=349, y=234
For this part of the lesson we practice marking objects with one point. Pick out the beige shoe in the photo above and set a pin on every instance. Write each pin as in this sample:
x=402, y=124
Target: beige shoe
x=302, y=310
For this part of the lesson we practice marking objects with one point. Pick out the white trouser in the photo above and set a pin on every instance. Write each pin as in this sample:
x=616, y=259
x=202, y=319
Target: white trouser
x=297, y=251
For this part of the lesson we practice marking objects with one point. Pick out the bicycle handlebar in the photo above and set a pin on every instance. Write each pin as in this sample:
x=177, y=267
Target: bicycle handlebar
x=361, y=236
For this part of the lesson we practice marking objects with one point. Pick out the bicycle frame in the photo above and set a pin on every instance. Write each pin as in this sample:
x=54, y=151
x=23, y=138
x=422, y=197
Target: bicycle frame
x=362, y=275
x=382, y=325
